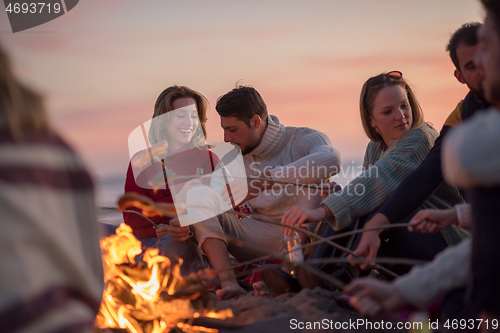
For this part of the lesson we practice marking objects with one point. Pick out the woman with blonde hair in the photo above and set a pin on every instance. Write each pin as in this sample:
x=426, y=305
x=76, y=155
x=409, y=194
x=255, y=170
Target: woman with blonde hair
x=400, y=140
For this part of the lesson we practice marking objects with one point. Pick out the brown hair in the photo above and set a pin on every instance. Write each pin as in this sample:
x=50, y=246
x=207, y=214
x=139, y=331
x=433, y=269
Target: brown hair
x=243, y=102
x=164, y=105
x=21, y=108
x=368, y=93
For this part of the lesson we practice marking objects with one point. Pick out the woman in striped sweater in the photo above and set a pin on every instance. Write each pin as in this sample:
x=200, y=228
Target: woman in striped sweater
x=400, y=140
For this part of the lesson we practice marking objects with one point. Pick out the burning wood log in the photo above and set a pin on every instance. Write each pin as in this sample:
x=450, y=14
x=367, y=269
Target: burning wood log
x=150, y=296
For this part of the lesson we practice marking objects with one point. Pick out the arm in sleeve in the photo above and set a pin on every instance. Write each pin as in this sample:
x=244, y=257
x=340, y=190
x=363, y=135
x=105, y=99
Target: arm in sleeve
x=319, y=162
x=417, y=186
x=142, y=227
x=368, y=191
x=471, y=151
x=449, y=270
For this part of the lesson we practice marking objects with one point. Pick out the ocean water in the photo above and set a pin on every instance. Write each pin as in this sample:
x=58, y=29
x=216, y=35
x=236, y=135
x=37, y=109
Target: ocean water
x=108, y=190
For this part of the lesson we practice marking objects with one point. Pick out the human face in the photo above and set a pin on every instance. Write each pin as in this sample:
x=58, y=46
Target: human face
x=469, y=73
x=488, y=59
x=237, y=132
x=182, y=123
x=391, y=113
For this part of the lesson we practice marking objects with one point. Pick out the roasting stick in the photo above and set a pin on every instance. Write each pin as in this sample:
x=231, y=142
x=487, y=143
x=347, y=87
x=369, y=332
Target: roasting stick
x=129, y=211
x=395, y=261
x=337, y=283
x=320, y=239
x=259, y=217
x=313, y=186
x=334, y=281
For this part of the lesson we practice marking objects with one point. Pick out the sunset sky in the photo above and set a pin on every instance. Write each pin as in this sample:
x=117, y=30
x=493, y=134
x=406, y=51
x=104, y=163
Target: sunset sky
x=102, y=65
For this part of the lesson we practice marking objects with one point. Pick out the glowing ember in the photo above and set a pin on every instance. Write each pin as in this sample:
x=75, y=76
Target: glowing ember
x=148, y=296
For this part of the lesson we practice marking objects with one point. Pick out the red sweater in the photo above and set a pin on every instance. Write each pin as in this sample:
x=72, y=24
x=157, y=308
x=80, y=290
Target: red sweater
x=184, y=163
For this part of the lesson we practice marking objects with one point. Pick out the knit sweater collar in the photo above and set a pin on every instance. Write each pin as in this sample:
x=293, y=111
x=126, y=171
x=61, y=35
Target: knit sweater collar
x=271, y=139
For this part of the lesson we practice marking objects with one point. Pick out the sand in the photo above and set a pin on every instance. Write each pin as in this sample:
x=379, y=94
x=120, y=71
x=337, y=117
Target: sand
x=285, y=313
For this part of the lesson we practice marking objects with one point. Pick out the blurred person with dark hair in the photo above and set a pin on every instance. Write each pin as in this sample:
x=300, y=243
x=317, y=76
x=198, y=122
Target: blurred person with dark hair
x=51, y=271
x=471, y=159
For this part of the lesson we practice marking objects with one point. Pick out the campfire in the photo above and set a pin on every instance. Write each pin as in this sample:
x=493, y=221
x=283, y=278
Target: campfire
x=150, y=295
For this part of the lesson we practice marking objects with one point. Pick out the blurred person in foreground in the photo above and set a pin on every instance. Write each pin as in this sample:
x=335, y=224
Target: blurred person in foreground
x=51, y=271
x=471, y=159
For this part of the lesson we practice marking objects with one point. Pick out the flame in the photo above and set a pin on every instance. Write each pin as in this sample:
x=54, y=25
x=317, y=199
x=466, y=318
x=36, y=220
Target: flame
x=139, y=296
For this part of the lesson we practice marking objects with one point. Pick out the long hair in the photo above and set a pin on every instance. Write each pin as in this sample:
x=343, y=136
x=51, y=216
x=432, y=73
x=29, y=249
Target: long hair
x=22, y=110
x=370, y=91
x=163, y=106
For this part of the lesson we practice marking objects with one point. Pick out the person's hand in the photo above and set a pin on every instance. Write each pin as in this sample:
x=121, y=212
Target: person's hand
x=367, y=248
x=161, y=230
x=433, y=220
x=375, y=298
x=296, y=216
x=178, y=233
x=329, y=188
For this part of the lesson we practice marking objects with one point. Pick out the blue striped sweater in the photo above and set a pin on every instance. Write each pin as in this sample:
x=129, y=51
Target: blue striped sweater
x=383, y=170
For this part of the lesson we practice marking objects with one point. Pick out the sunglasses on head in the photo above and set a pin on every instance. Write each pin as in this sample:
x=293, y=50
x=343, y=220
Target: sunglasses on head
x=379, y=79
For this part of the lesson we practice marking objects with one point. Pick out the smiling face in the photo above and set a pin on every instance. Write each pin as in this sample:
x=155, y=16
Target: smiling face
x=182, y=124
x=488, y=59
x=237, y=132
x=391, y=113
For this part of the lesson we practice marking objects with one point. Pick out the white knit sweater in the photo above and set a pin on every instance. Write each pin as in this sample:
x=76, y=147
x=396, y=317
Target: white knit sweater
x=292, y=154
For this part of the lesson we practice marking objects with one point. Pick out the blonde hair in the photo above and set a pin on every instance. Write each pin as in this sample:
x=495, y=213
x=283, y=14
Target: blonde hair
x=163, y=106
x=21, y=109
x=368, y=93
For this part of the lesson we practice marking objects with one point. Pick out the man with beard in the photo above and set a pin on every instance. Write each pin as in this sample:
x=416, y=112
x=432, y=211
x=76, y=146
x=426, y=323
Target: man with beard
x=471, y=159
x=271, y=152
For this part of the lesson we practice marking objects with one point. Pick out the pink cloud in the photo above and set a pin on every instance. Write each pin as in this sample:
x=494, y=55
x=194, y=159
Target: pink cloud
x=101, y=135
